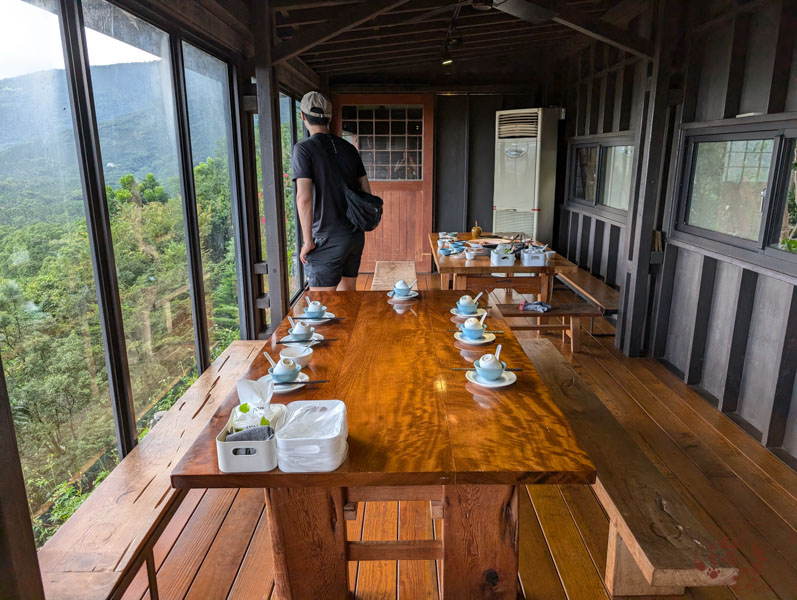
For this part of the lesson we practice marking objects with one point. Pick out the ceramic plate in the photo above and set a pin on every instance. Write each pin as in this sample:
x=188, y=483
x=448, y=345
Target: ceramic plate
x=487, y=338
x=289, y=339
x=479, y=312
x=318, y=320
x=508, y=378
x=280, y=389
x=412, y=294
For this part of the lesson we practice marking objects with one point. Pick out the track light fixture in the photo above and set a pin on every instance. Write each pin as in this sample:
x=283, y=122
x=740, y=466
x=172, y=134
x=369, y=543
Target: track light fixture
x=445, y=58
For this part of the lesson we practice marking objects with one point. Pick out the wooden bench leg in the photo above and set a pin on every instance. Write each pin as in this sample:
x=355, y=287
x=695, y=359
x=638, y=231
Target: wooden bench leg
x=460, y=282
x=623, y=576
x=307, y=528
x=445, y=279
x=152, y=576
x=575, y=334
x=484, y=563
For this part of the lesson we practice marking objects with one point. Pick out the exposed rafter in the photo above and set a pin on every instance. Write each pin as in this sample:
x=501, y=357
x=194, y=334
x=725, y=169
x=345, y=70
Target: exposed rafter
x=535, y=12
x=321, y=33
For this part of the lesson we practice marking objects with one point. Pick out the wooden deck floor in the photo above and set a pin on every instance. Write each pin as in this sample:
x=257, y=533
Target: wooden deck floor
x=217, y=544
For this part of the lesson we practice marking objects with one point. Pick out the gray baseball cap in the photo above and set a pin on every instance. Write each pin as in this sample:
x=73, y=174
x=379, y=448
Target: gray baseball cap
x=316, y=104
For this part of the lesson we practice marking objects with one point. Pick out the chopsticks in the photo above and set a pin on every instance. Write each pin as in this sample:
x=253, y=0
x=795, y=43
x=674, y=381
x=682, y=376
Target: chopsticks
x=308, y=342
x=466, y=369
x=486, y=331
x=305, y=382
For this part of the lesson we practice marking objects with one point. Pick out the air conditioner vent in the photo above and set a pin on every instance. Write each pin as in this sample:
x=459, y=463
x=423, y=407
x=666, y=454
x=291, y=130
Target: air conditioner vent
x=517, y=125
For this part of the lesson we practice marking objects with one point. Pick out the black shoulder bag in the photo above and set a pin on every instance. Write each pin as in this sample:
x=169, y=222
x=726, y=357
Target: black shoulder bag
x=364, y=210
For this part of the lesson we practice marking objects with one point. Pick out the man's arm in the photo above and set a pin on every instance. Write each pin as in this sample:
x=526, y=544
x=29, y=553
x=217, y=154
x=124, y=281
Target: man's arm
x=364, y=185
x=304, y=206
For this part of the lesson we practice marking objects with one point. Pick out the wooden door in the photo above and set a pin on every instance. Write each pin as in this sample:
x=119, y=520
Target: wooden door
x=395, y=136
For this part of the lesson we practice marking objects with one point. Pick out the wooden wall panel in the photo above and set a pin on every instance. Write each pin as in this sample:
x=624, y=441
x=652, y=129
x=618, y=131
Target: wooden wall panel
x=684, y=298
x=767, y=327
x=790, y=437
x=718, y=344
x=760, y=59
x=791, y=96
x=714, y=73
x=451, y=163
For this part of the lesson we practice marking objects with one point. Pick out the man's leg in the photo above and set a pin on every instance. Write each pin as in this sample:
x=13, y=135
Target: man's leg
x=323, y=289
x=351, y=266
x=347, y=284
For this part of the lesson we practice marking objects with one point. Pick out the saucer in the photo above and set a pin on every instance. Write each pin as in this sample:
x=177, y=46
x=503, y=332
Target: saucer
x=288, y=339
x=487, y=338
x=281, y=389
x=479, y=312
x=317, y=320
x=507, y=378
x=412, y=294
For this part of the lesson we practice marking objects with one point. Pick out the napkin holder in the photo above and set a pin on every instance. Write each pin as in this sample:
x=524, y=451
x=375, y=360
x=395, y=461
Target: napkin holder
x=245, y=456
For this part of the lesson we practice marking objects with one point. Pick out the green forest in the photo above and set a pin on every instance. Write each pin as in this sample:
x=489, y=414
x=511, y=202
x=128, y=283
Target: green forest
x=50, y=337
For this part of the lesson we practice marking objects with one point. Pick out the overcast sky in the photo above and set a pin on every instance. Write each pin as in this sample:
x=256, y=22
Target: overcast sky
x=30, y=41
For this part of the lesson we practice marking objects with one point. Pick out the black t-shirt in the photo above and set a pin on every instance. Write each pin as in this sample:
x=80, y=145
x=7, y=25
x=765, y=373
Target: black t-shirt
x=312, y=160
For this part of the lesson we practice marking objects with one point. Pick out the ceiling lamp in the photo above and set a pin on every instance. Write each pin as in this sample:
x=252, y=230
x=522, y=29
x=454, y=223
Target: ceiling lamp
x=445, y=58
x=482, y=4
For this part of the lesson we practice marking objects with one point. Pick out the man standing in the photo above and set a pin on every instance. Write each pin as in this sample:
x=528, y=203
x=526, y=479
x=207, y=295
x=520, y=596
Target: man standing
x=322, y=163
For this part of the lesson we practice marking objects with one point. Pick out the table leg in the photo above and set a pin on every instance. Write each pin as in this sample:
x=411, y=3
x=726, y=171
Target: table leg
x=575, y=334
x=480, y=542
x=445, y=278
x=460, y=281
x=308, y=538
x=547, y=287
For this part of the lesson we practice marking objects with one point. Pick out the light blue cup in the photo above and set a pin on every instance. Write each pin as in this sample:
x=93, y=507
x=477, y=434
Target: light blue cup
x=401, y=292
x=473, y=334
x=457, y=245
x=489, y=374
x=315, y=314
x=301, y=337
x=285, y=377
x=467, y=310
x=445, y=251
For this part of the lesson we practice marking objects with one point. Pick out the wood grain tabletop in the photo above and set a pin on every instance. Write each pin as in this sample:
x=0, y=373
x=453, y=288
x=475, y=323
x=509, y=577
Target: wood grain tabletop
x=412, y=419
x=481, y=264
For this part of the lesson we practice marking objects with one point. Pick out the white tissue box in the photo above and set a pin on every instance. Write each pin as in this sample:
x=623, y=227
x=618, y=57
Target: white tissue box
x=499, y=259
x=232, y=458
x=312, y=436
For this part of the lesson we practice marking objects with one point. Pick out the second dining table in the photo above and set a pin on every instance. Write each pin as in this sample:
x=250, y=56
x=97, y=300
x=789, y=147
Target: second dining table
x=479, y=273
x=418, y=429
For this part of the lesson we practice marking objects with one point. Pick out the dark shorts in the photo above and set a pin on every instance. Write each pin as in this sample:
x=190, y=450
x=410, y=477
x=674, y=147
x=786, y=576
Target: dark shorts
x=335, y=257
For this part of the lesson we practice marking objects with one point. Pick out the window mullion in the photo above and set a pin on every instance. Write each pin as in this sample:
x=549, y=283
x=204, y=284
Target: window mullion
x=98, y=223
x=190, y=219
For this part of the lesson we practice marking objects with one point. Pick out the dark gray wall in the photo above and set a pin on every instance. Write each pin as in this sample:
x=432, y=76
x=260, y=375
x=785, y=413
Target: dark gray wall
x=465, y=155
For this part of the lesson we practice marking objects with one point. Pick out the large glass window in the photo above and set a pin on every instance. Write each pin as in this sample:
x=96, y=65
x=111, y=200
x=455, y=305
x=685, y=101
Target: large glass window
x=389, y=138
x=586, y=174
x=291, y=222
x=134, y=99
x=207, y=89
x=728, y=186
x=50, y=336
x=786, y=238
x=618, y=164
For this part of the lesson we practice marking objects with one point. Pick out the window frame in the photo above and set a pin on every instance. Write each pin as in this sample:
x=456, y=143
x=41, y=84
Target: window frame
x=601, y=142
x=755, y=252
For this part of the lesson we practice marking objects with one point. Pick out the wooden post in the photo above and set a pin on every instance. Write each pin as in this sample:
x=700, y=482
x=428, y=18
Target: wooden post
x=271, y=162
x=631, y=325
x=480, y=548
x=308, y=537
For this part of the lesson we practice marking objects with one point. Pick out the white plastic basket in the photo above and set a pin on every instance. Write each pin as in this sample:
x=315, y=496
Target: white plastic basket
x=532, y=259
x=233, y=457
x=502, y=260
x=312, y=436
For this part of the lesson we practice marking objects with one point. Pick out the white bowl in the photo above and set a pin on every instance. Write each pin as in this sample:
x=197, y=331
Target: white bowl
x=301, y=355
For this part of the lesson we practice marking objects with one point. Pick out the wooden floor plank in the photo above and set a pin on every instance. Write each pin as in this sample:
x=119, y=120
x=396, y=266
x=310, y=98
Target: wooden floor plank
x=538, y=574
x=376, y=580
x=255, y=577
x=416, y=578
x=187, y=554
x=580, y=579
x=217, y=572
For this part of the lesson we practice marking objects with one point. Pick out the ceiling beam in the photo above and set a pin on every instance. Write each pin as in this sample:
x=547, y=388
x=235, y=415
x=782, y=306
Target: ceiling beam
x=321, y=33
x=535, y=12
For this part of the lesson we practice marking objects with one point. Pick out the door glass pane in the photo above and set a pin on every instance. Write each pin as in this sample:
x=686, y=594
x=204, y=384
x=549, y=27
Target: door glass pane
x=261, y=212
x=286, y=137
x=207, y=89
x=729, y=184
x=131, y=76
x=395, y=135
x=787, y=238
x=616, y=176
x=50, y=338
x=300, y=134
x=586, y=175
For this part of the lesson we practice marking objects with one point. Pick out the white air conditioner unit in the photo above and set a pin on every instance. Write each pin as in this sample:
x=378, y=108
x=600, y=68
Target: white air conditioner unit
x=525, y=172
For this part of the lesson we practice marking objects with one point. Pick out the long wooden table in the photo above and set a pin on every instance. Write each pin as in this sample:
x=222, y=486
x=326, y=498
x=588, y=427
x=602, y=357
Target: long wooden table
x=417, y=430
x=476, y=273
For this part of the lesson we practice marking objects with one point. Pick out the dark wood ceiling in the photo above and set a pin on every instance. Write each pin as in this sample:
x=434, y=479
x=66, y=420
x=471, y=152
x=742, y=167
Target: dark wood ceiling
x=405, y=44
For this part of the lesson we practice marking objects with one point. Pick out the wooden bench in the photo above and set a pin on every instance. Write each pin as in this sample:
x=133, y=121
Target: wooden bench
x=571, y=315
x=594, y=291
x=97, y=553
x=655, y=546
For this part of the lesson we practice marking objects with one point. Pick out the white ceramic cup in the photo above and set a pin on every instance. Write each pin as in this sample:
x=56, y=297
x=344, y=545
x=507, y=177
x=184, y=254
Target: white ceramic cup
x=301, y=355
